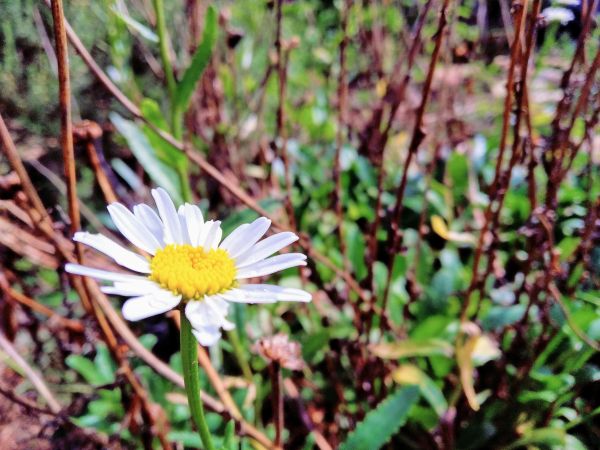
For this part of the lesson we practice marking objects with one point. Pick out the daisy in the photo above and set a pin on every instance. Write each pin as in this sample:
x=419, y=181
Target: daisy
x=185, y=261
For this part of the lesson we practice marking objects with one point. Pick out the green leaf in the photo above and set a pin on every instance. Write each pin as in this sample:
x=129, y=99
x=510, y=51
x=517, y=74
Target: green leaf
x=85, y=368
x=135, y=26
x=458, y=169
x=105, y=366
x=411, y=375
x=543, y=436
x=200, y=60
x=383, y=422
x=229, y=442
x=355, y=242
x=161, y=174
x=166, y=152
x=502, y=316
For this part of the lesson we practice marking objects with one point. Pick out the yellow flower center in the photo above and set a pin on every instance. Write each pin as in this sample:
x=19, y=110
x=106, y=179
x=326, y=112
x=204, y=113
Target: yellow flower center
x=192, y=271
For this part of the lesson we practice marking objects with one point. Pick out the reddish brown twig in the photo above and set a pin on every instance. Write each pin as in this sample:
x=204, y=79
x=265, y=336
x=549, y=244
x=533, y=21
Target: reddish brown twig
x=342, y=93
x=377, y=142
x=89, y=133
x=515, y=48
x=73, y=325
x=277, y=400
x=418, y=135
x=282, y=57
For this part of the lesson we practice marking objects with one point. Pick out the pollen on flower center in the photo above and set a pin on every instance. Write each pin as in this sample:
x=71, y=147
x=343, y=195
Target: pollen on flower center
x=192, y=271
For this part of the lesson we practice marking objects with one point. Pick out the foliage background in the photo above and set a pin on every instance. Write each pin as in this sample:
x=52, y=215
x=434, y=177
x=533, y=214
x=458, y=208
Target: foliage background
x=398, y=365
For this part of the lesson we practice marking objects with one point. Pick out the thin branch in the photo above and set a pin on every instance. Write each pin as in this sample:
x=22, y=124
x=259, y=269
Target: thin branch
x=515, y=48
x=31, y=374
x=282, y=57
x=342, y=94
x=30, y=303
x=418, y=135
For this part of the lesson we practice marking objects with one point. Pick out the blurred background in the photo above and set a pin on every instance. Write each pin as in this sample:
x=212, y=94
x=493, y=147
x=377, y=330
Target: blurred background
x=440, y=160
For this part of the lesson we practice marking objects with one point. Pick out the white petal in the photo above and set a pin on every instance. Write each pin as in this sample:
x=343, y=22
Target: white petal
x=182, y=223
x=272, y=265
x=78, y=269
x=150, y=219
x=266, y=247
x=169, y=216
x=204, y=230
x=246, y=237
x=213, y=236
x=193, y=222
x=138, y=308
x=276, y=293
x=200, y=314
x=220, y=308
x=131, y=227
x=119, y=254
x=242, y=296
x=207, y=336
x=207, y=317
x=131, y=289
x=231, y=240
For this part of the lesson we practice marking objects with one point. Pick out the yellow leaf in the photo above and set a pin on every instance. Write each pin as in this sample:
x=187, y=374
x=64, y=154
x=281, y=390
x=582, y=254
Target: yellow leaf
x=408, y=374
x=409, y=348
x=439, y=226
x=485, y=350
x=465, y=346
x=441, y=229
x=380, y=88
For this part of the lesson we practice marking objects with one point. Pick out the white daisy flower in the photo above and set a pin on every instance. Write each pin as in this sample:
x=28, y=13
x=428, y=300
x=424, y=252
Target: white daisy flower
x=558, y=14
x=189, y=263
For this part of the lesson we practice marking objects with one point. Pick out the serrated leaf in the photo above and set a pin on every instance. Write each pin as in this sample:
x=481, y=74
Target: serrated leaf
x=383, y=422
x=187, y=85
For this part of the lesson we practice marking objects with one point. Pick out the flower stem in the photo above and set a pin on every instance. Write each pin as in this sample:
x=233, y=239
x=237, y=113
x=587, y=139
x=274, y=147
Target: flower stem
x=189, y=359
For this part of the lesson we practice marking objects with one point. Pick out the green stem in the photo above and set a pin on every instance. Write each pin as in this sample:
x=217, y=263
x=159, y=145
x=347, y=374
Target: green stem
x=189, y=359
x=163, y=47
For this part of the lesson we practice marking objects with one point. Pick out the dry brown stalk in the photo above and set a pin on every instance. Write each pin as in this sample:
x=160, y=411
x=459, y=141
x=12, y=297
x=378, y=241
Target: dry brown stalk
x=24, y=243
x=418, y=135
x=89, y=133
x=378, y=141
x=73, y=325
x=514, y=53
x=342, y=92
x=282, y=58
x=62, y=58
x=35, y=378
x=66, y=134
